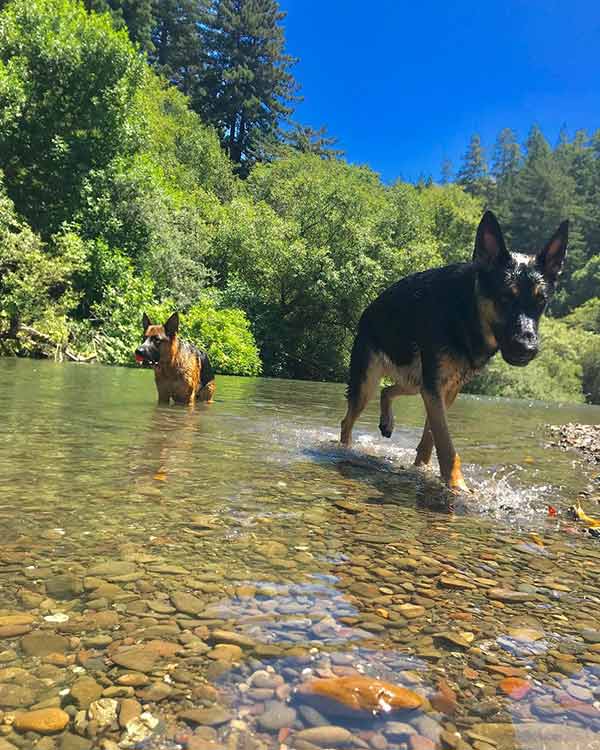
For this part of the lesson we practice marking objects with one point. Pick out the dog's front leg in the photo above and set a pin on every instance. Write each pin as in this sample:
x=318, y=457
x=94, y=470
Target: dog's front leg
x=448, y=458
x=164, y=396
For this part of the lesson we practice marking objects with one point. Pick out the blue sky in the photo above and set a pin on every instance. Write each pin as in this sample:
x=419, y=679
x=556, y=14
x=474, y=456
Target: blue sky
x=403, y=85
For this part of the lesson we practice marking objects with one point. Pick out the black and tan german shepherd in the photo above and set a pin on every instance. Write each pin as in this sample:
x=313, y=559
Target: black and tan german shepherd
x=182, y=371
x=432, y=331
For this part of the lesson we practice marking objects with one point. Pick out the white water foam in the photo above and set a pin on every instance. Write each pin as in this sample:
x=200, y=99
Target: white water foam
x=501, y=492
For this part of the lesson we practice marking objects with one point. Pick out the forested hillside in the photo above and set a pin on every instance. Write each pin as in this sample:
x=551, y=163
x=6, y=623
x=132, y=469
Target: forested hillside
x=151, y=161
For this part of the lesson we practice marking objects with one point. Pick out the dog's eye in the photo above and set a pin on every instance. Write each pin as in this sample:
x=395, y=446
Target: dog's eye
x=156, y=340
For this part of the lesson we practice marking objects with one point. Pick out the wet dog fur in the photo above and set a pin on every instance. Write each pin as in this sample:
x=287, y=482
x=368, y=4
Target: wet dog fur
x=182, y=372
x=431, y=332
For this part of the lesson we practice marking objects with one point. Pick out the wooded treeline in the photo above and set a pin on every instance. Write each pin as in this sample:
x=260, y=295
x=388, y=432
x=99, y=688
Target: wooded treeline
x=151, y=161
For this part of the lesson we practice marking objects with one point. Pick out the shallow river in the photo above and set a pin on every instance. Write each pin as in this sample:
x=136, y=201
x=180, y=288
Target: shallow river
x=198, y=567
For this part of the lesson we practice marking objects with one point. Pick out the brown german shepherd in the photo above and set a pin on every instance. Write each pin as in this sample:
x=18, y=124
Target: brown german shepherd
x=182, y=371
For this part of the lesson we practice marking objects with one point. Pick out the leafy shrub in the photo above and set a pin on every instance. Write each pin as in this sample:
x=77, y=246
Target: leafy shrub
x=225, y=335
x=36, y=280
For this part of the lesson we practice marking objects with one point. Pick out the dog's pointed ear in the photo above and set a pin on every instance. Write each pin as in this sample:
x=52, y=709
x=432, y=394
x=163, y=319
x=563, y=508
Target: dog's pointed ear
x=490, y=249
x=550, y=260
x=146, y=322
x=172, y=325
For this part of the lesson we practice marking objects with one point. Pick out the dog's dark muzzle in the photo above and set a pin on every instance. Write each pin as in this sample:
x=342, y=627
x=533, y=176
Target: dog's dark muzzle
x=144, y=356
x=520, y=344
x=519, y=357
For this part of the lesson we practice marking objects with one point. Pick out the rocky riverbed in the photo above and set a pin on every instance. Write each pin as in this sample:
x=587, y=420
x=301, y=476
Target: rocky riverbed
x=230, y=579
x=584, y=438
x=498, y=634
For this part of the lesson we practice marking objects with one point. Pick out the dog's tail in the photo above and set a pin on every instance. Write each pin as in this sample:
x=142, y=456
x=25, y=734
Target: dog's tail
x=359, y=364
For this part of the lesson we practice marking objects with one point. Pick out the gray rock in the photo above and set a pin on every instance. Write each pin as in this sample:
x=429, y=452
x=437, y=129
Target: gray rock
x=398, y=730
x=328, y=736
x=312, y=716
x=276, y=717
x=211, y=717
x=64, y=586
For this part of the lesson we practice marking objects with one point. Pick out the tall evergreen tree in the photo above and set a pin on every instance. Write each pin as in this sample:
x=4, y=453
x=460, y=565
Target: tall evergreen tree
x=473, y=174
x=506, y=162
x=177, y=41
x=244, y=86
x=506, y=157
x=542, y=197
x=447, y=171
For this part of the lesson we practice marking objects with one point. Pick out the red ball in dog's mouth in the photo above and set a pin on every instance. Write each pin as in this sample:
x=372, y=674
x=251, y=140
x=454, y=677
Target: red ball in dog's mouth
x=139, y=359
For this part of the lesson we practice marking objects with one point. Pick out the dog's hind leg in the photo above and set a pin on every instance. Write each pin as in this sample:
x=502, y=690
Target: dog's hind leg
x=365, y=374
x=207, y=393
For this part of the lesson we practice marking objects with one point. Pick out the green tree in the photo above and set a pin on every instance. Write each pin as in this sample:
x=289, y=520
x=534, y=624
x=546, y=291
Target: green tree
x=506, y=158
x=542, y=197
x=310, y=141
x=36, y=281
x=177, y=46
x=68, y=82
x=137, y=16
x=244, y=86
x=447, y=171
x=473, y=174
x=506, y=162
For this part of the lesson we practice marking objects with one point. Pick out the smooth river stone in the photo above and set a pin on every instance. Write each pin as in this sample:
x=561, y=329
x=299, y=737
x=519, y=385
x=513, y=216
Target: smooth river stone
x=324, y=736
x=187, y=603
x=43, y=642
x=356, y=694
x=112, y=569
x=537, y=735
x=44, y=721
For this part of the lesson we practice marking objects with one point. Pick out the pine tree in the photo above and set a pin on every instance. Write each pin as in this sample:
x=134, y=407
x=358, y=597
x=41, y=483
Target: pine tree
x=542, y=196
x=177, y=41
x=447, y=171
x=506, y=158
x=310, y=141
x=244, y=86
x=473, y=174
x=506, y=162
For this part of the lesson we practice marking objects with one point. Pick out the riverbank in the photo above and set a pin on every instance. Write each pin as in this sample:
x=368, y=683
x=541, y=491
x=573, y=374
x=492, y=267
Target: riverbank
x=584, y=438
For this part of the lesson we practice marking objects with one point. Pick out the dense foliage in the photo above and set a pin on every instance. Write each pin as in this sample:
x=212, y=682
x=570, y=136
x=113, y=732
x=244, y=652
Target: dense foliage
x=124, y=191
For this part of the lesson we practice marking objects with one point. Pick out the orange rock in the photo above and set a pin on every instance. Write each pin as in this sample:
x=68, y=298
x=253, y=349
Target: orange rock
x=444, y=699
x=470, y=674
x=357, y=694
x=515, y=687
x=43, y=721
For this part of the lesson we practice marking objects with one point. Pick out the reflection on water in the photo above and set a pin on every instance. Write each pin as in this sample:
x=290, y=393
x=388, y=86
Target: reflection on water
x=215, y=560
